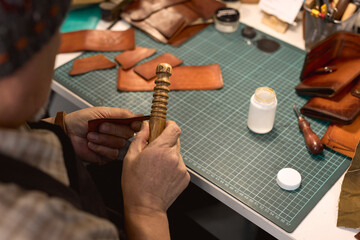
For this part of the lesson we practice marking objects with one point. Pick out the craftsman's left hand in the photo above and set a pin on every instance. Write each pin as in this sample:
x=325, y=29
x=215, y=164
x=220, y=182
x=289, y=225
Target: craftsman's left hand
x=102, y=146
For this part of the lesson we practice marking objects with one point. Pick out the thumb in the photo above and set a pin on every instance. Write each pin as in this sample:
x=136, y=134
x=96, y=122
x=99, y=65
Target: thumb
x=140, y=140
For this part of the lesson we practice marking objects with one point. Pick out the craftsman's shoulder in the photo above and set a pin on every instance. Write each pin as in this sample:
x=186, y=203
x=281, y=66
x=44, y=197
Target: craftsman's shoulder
x=34, y=215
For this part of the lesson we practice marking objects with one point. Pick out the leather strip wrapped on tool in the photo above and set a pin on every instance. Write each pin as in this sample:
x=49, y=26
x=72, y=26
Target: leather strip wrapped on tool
x=331, y=65
x=164, y=20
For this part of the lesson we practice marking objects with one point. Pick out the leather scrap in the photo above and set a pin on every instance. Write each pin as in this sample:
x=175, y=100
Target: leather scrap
x=147, y=69
x=97, y=40
x=349, y=207
x=87, y=64
x=130, y=58
x=206, y=77
x=343, y=138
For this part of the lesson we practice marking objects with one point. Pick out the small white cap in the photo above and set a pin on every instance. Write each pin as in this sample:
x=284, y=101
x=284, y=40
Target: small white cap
x=288, y=179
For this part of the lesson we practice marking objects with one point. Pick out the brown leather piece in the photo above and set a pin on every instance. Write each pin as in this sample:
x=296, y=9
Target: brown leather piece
x=145, y=27
x=87, y=64
x=207, y=8
x=164, y=25
x=206, y=77
x=130, y=58
x=343, y=138
x=357, y=236
x=166, y=22
x=145, y=8
x=97, y=40
x=185, y=10
x=147, y=69
x=342, y=109
x=340, y=50
x=93, y=125
x=186, y=34
x=349, y=207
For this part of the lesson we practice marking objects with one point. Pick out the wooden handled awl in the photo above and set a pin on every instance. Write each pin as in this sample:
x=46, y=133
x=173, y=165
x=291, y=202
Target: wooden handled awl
x=158, y=108
x=311, y=139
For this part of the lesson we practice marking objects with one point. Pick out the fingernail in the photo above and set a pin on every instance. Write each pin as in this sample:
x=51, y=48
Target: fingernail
x=93, y=136
x=142, y=126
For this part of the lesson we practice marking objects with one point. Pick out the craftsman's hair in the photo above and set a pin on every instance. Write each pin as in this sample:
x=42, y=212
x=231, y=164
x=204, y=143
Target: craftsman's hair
x=25, y=27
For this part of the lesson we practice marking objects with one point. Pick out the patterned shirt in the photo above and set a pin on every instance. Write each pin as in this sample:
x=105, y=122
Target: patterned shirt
x=33, y=214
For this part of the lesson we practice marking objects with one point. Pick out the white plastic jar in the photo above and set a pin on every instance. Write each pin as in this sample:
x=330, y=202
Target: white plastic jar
x=262, y=110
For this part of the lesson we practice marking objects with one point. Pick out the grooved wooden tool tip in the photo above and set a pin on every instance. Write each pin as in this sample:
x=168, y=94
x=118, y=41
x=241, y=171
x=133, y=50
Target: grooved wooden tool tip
x=159, y=103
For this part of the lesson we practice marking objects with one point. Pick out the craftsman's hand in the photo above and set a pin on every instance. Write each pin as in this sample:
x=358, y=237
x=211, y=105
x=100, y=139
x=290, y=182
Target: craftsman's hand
x=104, y=145
x=153, y=177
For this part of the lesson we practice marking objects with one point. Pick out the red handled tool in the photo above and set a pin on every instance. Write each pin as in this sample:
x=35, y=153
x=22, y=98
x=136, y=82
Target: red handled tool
x=311, y=139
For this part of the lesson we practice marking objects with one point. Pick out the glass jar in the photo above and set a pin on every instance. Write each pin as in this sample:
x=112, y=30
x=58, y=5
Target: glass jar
x=262, y=110
x=227, y=20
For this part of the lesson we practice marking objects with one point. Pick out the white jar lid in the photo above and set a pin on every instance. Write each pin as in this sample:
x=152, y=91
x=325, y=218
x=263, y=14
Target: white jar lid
x=288, y=179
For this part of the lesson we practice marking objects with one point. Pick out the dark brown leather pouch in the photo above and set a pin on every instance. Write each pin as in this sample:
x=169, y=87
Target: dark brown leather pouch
x=341, y=109
x=331, y=65
x=343, y=138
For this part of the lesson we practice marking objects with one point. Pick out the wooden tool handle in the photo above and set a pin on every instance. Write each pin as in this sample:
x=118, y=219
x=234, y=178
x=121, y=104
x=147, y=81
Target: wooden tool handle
x=311, y=139
x=158, y=108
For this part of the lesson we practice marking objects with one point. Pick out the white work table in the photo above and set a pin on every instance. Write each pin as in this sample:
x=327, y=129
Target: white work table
x=320, y=223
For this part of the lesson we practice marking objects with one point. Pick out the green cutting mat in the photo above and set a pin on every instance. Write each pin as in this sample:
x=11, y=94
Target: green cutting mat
x=216, y=142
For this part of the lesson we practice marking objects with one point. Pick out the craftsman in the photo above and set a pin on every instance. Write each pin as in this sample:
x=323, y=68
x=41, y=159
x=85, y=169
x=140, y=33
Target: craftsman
x=45, y=191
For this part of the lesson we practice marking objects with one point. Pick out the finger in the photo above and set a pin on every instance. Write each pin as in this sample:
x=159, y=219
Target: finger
x=140, y=140
x=123, y=131
x=170, y=135
x=110, y=153
x=106, y=140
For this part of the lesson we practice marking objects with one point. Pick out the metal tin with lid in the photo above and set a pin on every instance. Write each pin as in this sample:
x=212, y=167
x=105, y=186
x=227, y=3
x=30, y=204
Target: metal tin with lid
x=227, y=20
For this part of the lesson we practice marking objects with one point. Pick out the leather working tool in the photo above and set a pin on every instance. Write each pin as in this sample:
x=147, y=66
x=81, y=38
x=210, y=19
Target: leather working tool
x=311, y=139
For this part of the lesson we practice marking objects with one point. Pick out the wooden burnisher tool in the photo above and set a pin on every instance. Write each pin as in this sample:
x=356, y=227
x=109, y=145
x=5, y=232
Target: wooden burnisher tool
x=158, y=108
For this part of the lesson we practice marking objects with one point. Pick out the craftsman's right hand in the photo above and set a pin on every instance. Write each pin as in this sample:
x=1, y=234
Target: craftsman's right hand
x=154, y=174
